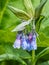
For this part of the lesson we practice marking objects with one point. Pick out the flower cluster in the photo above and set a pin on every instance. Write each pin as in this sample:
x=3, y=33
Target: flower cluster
x=26, y=42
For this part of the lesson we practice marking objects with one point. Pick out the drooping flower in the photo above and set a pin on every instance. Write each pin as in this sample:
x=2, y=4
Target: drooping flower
x=17, y=43
x=26, y=42
x=33, y=43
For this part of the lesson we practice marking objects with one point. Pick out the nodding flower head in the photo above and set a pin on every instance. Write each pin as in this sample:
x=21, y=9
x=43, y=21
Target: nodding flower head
x=17, y=43
x=33, y=43
x=26, y=42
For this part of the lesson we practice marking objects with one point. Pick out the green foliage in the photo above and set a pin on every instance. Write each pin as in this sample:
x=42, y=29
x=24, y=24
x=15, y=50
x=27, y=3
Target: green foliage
x=44, y=63
x=38, y=10
x=29, y=7
x=42, y=41
x=42, y=53
x=19, y=13
x=2, y=8
x=8, y=21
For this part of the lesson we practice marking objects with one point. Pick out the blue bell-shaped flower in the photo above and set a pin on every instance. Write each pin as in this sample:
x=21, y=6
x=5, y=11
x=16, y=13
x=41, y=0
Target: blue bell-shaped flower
x=17, y=42
x=33, y=43
x=28, y=47
x=24, y=43
x=28, y=44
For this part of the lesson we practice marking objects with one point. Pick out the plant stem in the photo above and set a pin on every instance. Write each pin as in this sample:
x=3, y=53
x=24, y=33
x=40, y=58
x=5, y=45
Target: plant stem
x=33, y=51
x=33, y=57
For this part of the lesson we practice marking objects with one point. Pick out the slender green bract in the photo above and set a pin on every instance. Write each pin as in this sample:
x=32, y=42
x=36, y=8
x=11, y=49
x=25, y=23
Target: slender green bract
x=19, y=13
x=29, y=7
x=39, y=8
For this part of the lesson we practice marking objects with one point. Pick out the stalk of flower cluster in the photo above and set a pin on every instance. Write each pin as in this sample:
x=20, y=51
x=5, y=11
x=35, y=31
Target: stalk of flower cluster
x=33, y=57
x=33, y=51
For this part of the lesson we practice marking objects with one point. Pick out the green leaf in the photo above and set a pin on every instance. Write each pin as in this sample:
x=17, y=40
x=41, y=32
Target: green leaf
x=45, y=23
x=46, y=31
x=45, y=12
x=18, y=4
x=8, y=48
x=38, y=23
x=2, y=8
x=46, y=9
x=29, y=7
x=45, y=57
x=7, y=36
x=43, y=41
x=10, y=53
x=19, y=13
x=38, y=10
x=2, y=49
x=9, y=21
x=11, y=57
x=8, y=57
x=44, y=63
x=35, y=3
x=42, y=53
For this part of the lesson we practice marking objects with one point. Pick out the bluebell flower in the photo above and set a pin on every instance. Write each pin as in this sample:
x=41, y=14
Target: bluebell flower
x=29, y=42
x=33, y=43
x=24, y=43
x=17, y=42
x=28, y=45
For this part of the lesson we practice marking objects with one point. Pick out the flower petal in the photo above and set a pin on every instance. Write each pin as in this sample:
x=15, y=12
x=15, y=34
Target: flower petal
x=28, y=47
x=33, y=44
x=24, y=43
x=17, y=43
